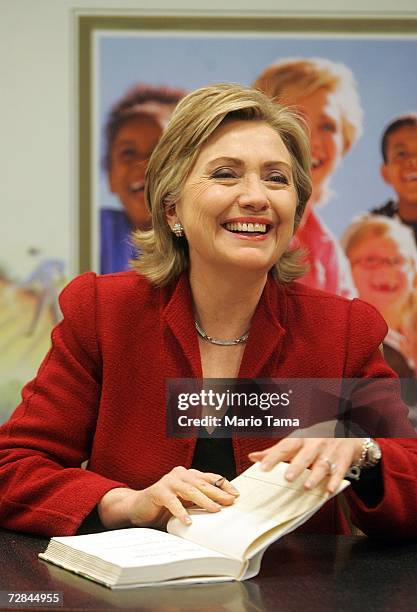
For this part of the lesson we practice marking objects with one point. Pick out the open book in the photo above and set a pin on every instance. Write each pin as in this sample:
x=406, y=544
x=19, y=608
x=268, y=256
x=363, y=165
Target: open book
x=227, y=545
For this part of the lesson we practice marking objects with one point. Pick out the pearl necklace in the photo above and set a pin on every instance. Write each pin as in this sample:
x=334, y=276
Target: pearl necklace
x=218, y=341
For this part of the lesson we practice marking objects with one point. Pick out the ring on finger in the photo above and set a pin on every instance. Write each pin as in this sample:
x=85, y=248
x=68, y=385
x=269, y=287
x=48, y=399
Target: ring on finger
x=331, y=467
x=219, y=482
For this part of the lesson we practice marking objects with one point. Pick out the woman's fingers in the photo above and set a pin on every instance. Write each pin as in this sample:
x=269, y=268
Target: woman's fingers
x=172, y=497
x=328, y=458
x=206, y=490
x=193, y=494
x=176, y=508
x=333, y=462
x=282, y=451
x=224, y=494
x=337, y=476
x=257, y=455
x=321, y=469
x=182, y=487
x=228, y=488
x=304, y=458
x=218, y=481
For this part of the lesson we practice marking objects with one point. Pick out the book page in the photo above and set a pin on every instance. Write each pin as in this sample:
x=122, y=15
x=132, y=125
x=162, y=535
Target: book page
x=266, y=501
x=134, y=547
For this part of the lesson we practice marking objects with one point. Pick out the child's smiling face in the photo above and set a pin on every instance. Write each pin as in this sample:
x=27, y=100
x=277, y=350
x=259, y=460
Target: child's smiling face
x=130, y=152
x=400, y=168
x=382, y=274
x=323, y=114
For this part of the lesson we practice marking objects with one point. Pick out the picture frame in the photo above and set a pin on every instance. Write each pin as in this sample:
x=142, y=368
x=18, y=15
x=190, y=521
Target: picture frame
x=90, y=28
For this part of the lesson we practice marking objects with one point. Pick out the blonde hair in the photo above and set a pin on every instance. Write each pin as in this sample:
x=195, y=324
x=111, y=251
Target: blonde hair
x=291, y=79
x=163, y=257
x=378, y=226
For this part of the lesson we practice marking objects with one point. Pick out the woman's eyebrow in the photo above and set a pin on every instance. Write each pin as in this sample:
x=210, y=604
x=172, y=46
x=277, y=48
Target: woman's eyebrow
x=234, y=161
x=279, y=163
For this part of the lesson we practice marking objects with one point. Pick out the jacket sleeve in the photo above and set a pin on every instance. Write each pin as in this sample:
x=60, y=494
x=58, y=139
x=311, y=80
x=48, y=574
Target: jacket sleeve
x=43, y=488
x=394, y=515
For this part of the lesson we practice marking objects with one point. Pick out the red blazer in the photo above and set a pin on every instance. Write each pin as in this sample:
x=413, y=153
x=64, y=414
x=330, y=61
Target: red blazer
x=100, y=395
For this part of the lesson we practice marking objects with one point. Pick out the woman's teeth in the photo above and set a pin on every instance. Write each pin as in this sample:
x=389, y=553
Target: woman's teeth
x=246, y=227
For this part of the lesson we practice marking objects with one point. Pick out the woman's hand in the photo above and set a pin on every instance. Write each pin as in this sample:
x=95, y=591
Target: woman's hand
x=153, y=506
x=328, y=458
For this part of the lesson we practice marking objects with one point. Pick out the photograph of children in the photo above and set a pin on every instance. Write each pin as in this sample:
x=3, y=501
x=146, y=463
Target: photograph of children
x=339, y=85
x=133, y=128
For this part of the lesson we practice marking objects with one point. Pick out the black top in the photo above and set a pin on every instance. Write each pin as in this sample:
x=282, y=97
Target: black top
x=215, y=455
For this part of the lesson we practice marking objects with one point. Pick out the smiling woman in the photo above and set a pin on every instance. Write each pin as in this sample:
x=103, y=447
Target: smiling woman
x=247, y=153
x=213, y=295
x=238, y=203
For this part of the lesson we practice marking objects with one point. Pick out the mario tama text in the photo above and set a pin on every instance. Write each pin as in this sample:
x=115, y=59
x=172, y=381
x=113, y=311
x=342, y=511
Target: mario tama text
x=278, y=407
x=233, y=420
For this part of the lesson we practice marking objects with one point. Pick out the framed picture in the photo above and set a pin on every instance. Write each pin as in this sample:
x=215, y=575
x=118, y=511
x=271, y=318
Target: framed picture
x=369, y=81
x=116, y=53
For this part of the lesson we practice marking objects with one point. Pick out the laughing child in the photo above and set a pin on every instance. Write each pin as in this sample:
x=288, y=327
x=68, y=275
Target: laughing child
x=399, y=169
